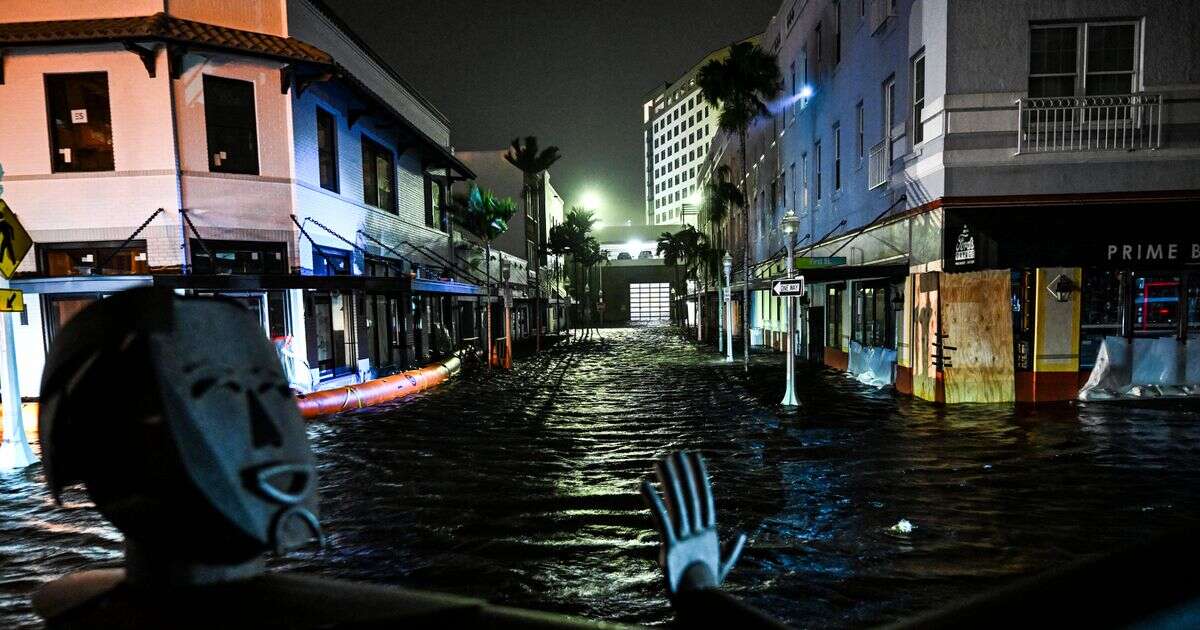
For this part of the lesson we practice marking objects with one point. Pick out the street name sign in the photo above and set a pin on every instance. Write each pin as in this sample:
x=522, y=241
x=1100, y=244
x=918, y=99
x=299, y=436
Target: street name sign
x=820, y=261
x=14, y=241
x=12, y=301
x=790, y=287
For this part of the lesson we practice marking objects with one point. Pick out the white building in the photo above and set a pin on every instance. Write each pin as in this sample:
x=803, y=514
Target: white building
x=255, y=149
x=677, y=127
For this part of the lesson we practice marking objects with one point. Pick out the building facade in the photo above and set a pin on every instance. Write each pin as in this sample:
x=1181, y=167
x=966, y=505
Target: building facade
x=256, y=150
x=989, y=193
x=677, y=127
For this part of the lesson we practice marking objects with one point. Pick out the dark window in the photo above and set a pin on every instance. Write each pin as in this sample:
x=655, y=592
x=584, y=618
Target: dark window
x=379, y=167
x=328, y=261
x=380, y=267
x=80, y=122
x=837, y=157
x=918, y=98
x=837, y=32
x=817, y=36
x=1056, y=55
x=1053, y=56
x=232, y=132
x=327, y=158
x=1111, y=56
x=817, y=169
x=860, y=122
x=85, y=259
x=238, y=257
x=334, y=327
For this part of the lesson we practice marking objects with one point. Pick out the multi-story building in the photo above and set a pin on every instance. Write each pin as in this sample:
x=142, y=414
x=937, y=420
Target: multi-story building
x=256, y=149
x=677, y=127
x=990, y=192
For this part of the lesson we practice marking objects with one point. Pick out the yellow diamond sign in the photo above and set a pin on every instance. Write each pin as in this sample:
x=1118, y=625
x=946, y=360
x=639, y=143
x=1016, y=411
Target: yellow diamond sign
x=11, y=301
x=14, y=241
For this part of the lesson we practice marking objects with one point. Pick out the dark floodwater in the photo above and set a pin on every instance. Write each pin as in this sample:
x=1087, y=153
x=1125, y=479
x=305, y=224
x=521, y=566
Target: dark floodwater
x=523, y=488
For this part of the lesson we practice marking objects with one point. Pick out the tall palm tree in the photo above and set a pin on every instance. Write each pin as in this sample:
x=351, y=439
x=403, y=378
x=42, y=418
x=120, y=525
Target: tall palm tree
x=485, y=216
x=720, y=196
x=532, y=163
x=741, y=84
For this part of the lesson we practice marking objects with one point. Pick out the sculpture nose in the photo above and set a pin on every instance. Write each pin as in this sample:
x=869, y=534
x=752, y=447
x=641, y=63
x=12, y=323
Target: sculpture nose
x=263, y=431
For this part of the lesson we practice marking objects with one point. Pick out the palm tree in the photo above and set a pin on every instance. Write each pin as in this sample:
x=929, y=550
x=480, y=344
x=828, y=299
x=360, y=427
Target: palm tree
x=740, y=85
x=671, y=249
x=720, y=195
x=532, y=163
x=485, y=216
x=572, y=237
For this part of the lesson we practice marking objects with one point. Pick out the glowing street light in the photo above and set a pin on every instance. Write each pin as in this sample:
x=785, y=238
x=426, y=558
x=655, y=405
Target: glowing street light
x=790, y=224
x=591, y=200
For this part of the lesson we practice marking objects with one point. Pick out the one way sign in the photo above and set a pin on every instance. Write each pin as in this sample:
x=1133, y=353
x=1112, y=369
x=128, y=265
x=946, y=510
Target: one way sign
x=791, y=287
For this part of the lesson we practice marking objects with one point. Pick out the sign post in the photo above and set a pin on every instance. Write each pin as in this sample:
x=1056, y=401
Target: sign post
x=14, y=245
x=790, y=288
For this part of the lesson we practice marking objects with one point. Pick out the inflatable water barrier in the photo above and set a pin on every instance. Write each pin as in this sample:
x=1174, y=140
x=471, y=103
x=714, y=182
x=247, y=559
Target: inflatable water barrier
x=377, y=391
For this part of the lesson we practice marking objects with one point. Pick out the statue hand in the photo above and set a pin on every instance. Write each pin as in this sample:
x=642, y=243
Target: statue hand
x=689, y=554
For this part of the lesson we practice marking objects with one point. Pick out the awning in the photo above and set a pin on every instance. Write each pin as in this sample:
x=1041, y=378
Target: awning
x=817, y=275
x=242, y=282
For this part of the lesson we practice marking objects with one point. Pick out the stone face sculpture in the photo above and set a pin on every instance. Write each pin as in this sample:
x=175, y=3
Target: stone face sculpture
x=175, y=415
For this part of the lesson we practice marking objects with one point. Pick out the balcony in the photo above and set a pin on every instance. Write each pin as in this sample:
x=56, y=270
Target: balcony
x=879, y=165
x=1124, y=122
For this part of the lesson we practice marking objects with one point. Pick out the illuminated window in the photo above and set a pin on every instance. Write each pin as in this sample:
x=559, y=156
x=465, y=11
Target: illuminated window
x=379, y=167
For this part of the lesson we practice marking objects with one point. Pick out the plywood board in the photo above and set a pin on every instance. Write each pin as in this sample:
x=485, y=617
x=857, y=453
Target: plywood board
x=924, y=318
x=977, y=319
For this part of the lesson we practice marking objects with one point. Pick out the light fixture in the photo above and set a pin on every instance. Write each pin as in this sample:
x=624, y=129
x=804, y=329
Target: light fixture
x=806, y=91
x=728, y=262
x=790, y=222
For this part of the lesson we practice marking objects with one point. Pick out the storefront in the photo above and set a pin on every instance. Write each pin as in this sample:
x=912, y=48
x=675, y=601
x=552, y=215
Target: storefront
x=1083, y=274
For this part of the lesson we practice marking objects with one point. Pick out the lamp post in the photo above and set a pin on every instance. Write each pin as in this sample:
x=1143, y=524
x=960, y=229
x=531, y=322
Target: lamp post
x=789, y=224
x=506, y=273
x=728, y=263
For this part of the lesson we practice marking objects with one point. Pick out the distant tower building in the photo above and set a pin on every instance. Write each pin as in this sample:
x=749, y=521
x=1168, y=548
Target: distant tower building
x=677, y=127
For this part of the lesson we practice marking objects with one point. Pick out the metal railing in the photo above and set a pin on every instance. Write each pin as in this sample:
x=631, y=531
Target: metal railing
x=1123, y=122
x=879, y=165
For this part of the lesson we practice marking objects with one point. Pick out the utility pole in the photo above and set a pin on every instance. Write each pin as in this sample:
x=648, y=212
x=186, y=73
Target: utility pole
x=789, y=224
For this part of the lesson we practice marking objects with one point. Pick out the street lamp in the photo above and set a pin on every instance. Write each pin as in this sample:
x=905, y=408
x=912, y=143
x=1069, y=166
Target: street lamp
x=789, y=224
x=728, y=263
x=506, y=274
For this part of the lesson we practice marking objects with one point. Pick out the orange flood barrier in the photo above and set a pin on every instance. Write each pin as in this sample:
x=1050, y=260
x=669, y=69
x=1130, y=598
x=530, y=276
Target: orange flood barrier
x=380, y=390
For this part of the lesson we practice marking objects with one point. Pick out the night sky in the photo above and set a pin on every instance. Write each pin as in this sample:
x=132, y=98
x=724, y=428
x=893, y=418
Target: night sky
x=571, y=72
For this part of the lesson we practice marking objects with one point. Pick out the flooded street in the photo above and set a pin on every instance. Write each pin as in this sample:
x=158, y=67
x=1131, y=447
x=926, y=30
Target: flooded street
x=522, y=488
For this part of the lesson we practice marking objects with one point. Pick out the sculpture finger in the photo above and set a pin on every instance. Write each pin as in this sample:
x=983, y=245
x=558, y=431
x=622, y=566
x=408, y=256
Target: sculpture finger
x=734, y=550
x=691, y=493
x=658, y=513
x=707, y=505
x=668, y=476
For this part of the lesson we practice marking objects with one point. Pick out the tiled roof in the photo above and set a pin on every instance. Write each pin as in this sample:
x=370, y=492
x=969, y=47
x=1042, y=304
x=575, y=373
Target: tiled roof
x=159, y=27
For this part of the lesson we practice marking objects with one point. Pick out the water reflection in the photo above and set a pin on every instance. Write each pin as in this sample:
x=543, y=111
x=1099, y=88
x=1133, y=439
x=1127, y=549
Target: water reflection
x=522, y=488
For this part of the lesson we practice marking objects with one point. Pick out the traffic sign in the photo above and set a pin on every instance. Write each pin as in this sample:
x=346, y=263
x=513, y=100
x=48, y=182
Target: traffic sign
x=12, y=301
x=14, y=241
x=789, y=287
x=819, y=261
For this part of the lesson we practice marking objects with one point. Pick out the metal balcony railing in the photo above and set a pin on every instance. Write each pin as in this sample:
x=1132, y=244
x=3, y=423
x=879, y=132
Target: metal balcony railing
x=879, y=165
x=1123, y=122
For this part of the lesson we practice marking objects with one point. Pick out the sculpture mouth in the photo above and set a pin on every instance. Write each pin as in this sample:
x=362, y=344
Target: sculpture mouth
x=281, y=482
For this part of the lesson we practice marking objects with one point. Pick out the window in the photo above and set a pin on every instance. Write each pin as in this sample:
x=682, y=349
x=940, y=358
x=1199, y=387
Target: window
x=859, y=123
x=229, y=119
x=435, y=197
x=837, y=32
x=872, y=313
x=918, y=98
x=80, y=122
x=238, y=257
x=889, y=106
x=817, y=167
x=793, y=75
x=327, y=161
x=837, y=156
x=817, y=37
x=833, y=316
x=333, y=327
x=1095, y=58
x=804, y=183
x=794, y=185
x=95, y=258
x=379, y=166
